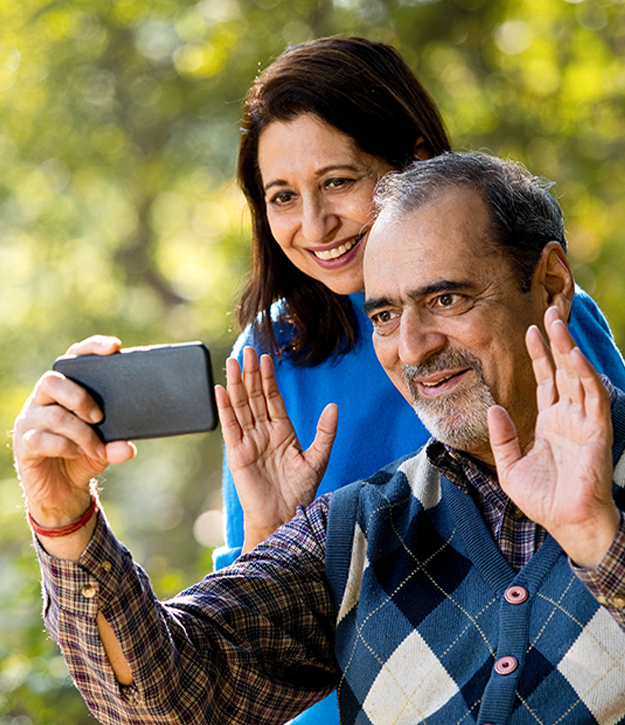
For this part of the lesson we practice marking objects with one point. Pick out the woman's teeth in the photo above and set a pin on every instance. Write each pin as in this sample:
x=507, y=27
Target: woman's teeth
x=338, y=251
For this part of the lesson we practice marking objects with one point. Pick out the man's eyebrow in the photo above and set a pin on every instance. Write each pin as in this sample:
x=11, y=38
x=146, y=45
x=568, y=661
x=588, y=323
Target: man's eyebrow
x=374, y=303
x=443, y=285
x=439, y=287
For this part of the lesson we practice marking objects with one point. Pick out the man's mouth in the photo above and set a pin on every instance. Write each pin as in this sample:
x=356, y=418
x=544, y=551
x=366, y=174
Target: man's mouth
x=336, y=252
x=439, y=382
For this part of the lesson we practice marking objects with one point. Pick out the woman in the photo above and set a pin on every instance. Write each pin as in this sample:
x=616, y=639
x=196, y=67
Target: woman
x=321, y=125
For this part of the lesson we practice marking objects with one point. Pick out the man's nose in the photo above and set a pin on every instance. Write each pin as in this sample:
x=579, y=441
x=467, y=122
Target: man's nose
x=419, y=337
x=318, y=219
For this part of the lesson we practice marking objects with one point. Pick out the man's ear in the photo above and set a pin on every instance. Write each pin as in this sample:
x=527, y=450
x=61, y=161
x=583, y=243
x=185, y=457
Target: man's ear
x=553, y=279
x=421, y=150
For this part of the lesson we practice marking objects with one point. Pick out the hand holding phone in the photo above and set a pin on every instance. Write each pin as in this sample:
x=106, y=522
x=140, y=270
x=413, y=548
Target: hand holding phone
x=148, y=392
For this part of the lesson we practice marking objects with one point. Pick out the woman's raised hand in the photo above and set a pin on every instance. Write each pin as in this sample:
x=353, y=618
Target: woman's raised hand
x=57, y=452
x=271, y=472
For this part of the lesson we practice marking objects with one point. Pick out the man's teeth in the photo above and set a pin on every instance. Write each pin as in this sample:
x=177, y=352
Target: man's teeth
x=338, y=251
x=438, y=382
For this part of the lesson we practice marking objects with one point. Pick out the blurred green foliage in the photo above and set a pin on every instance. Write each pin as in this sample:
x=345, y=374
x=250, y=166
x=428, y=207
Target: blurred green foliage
x=119, y=214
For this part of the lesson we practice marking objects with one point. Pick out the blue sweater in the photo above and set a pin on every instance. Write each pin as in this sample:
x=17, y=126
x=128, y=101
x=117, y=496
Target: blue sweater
x=376, y=424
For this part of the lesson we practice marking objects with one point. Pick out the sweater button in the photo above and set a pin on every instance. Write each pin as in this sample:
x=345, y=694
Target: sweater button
x=516, y=595
x=506, y=665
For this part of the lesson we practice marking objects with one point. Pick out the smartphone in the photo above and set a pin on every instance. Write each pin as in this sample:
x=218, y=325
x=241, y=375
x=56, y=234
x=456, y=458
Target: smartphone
x=148, y=392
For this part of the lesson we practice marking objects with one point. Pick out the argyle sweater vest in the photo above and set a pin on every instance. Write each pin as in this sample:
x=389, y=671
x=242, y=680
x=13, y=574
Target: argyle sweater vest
x=434, y=626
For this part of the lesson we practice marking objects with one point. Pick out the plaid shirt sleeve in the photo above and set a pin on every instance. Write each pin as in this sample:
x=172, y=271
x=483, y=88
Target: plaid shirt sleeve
x=607, y=582
x=252, y=643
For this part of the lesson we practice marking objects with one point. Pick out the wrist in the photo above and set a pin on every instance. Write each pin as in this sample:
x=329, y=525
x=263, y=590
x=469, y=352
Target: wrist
x=256, y=535
x=55, y=532
x=67, y=514
x=588, y=552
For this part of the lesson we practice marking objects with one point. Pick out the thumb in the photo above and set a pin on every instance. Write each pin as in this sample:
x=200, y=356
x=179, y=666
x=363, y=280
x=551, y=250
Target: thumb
x=318, y=455
x=503, y=440
x=120, y=451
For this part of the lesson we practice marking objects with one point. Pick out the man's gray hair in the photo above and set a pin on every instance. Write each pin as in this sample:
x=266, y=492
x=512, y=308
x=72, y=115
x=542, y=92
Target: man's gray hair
x=524, y=215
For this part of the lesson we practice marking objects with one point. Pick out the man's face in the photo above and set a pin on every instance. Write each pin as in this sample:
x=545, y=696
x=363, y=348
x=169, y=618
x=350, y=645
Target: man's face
x=450, y=320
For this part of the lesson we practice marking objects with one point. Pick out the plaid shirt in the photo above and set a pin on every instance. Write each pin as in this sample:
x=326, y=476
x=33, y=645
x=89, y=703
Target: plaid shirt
x=253, y=644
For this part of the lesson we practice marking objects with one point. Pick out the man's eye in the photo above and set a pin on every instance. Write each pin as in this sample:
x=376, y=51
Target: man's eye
x=447, y=300
x=384, y=320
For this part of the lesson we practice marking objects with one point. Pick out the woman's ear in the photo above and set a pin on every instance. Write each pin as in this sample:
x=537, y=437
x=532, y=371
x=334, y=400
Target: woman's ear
x=421, y=150
x=554, y=279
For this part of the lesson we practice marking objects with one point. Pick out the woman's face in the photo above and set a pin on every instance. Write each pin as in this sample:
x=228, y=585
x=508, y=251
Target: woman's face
x=318, y=190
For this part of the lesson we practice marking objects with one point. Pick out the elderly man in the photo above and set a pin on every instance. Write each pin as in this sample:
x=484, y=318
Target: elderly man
x=477, y=581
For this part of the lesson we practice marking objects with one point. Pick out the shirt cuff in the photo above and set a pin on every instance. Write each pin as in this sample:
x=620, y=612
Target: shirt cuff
x=87, y=585
x=607, y=582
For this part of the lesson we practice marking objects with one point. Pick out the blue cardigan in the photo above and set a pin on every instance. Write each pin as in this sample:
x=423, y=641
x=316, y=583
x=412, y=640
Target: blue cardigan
x=434, y=625
x=376, y=424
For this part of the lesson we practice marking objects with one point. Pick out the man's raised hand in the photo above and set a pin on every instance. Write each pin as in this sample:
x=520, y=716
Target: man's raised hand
x=564, y=482
x=271, y=472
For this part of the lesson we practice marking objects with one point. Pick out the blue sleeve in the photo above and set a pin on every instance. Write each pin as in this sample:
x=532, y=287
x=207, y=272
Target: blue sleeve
x=594, y=338
x=232, y=512
x=326, y=711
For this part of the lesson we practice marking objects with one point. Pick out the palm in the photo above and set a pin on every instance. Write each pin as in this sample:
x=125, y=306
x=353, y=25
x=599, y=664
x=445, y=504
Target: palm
x=564, y=481
x=56, y=480
x=271, y=472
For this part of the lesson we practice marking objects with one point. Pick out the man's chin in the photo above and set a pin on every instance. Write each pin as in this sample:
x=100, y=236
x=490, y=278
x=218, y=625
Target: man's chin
x=465, y=431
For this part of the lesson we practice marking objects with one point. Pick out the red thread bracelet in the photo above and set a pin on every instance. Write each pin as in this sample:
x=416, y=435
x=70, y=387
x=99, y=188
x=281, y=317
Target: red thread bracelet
x=57, y=531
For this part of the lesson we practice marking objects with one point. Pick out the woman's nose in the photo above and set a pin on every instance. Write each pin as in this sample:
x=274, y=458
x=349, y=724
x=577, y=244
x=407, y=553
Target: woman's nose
x=318, y=220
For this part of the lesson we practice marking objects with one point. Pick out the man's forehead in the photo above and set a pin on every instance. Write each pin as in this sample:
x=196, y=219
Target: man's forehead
x=449, y=233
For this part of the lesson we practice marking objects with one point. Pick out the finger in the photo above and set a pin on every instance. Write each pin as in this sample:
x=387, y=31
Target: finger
x=275, y=402
x=120, y=451
x=36, y=444
x=58, y=421
x=253, y=385
x=95, y=345
x=318, y=455
x=55, y=389
x=503, y=440
x=230, y=428
x=237, y=395
x=596, y=398
x=562, y=344
x=543, y=366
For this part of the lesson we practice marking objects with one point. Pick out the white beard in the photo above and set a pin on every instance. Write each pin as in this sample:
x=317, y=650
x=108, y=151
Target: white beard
x=459, y=418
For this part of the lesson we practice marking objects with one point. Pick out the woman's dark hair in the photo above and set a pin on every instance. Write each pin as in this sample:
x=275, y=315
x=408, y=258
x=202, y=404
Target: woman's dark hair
x=364, y=89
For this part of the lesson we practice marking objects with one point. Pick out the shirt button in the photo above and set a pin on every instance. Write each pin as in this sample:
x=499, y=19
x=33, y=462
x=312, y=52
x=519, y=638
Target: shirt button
x=89, y=592
x=106, y=566
x=506, y=665
x=618, y=601
x=602, y=600
x=516, y=595
x=517, y=513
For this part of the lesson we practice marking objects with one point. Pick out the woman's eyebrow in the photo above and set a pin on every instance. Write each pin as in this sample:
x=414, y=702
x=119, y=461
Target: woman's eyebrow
x=319, y=172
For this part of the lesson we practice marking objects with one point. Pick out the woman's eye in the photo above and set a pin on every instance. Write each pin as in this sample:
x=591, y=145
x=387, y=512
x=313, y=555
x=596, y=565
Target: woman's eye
x=337, y=183
x=281, y=198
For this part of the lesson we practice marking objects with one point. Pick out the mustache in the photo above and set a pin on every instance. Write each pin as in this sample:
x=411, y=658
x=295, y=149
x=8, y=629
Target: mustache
x=439, y=362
